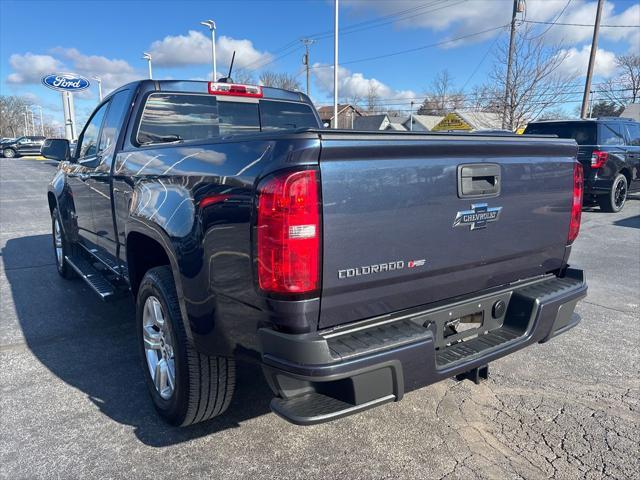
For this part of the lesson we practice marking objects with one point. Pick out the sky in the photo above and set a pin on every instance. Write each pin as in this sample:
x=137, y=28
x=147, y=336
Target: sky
x=397, y=46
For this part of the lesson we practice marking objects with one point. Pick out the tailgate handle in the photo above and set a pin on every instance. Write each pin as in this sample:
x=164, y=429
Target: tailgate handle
x=478, y=180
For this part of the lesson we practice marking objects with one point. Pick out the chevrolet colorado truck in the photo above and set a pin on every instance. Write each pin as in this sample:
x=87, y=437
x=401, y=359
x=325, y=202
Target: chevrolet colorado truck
x=353, y=266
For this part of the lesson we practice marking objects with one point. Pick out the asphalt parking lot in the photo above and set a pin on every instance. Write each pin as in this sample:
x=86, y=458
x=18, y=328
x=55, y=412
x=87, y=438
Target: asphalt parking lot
x=73, y=403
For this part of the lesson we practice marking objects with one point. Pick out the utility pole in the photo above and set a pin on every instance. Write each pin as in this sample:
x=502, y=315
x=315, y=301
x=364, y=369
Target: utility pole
x=335, y=66
x=305, y=60
x=518, y=7
x=592, y=60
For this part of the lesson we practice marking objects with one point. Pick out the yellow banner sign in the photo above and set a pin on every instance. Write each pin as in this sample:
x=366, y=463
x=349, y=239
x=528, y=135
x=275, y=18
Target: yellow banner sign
x=451, y=121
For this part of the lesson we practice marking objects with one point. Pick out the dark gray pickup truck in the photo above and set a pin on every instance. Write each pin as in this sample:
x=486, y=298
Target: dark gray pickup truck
x=353, y=266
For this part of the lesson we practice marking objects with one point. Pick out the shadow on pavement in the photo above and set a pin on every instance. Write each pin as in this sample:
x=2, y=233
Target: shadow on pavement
x=631, y=222
x=91, y=345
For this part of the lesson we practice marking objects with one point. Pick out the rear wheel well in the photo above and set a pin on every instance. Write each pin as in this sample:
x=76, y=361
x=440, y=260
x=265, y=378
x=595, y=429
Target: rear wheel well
x=627, y=174
x=143, y=253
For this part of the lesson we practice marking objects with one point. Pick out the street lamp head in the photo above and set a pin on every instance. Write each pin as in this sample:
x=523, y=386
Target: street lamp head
x=95, y=77
x=210, y=24
x=146, y=56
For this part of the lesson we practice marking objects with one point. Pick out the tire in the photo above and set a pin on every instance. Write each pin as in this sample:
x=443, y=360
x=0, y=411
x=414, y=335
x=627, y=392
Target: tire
x=202, y=385
x=9, y=153
x=61, y=246
x=614, y=201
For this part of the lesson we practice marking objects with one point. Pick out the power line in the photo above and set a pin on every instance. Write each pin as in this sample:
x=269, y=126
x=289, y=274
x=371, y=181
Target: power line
x=396, y=14
x=357, y=27
x=580, y=24
x=415, y=49
x=354, y=28
x=553, y=22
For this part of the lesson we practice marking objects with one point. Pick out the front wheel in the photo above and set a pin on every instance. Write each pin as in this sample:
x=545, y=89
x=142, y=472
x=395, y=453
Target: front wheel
x=186, y=386
x=614, y=201
x=9, y=153
x=61, y=246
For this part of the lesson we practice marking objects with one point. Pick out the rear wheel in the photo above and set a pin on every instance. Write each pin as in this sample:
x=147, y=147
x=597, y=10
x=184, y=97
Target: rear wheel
x=186, y=386
x=615, y=200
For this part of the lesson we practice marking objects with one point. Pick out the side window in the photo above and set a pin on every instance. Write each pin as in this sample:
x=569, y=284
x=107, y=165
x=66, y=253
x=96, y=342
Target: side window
x=610, y=134
x=633, y=132
x=112, y=124
x=88, y=141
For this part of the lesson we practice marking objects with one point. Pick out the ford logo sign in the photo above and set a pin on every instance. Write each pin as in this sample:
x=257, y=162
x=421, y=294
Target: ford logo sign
x=65, y=82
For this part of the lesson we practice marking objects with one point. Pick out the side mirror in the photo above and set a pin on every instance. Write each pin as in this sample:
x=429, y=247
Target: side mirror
x=56, y=149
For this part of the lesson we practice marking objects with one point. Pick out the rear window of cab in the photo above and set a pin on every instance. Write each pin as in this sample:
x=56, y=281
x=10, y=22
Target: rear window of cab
x=183, y=117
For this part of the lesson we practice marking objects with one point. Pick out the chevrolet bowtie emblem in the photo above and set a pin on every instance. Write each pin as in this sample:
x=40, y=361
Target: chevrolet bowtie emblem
x=478, y=217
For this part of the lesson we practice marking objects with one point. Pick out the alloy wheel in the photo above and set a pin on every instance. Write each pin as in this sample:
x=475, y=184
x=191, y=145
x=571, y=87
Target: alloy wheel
x=57, y=241
x=158, y=347
x=620, y=194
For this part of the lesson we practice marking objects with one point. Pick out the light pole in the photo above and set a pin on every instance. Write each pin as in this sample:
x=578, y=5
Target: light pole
x=335, y=65
x=211, y=25
x=411, y=117
x=147, y=57
x=33, y=125
x=41, y=122
x=99, y=80
x=26, y=127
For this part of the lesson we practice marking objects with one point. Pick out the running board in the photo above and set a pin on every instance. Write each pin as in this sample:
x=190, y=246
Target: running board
x=313, y=408
x=94, y=278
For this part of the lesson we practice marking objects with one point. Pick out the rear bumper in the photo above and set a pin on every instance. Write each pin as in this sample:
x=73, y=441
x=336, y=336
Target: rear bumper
x=322, y=376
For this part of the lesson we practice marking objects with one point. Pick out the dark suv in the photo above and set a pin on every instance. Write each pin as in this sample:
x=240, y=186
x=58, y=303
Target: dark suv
x=27, y=145
x=609, y=150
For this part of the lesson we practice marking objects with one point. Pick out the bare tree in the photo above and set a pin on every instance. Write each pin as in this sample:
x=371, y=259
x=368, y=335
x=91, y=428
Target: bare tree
x=354, y=99
x=12, y=109
x=625, y=87
x=537, y=83
x=442, y=97
x=279, y=80
x=244, y=77
x=373, y=97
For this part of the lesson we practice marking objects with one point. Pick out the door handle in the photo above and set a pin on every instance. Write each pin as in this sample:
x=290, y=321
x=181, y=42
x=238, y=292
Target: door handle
x=479, y=180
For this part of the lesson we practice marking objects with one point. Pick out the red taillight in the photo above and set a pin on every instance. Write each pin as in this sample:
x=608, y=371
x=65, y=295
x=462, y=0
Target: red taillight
x=598, y=158
x=235, y=90
x=576, y=207
x=288, y=225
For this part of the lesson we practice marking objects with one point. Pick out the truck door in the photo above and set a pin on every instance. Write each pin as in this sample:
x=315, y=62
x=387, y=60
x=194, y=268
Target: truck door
x=80, y=174
x=100, y=181
x=633, y=153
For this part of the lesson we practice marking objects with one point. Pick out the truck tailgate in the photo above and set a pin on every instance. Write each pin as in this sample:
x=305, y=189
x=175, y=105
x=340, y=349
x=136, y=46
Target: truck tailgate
x=390, y=203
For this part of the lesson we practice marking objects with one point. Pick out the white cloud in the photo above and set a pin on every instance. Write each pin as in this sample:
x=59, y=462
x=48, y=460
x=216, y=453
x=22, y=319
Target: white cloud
x=195, y=49
x=30, y=68
x=585, y=13
x=577, y=61
x=461, y=18
x=352, y=85
x=113, y=72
